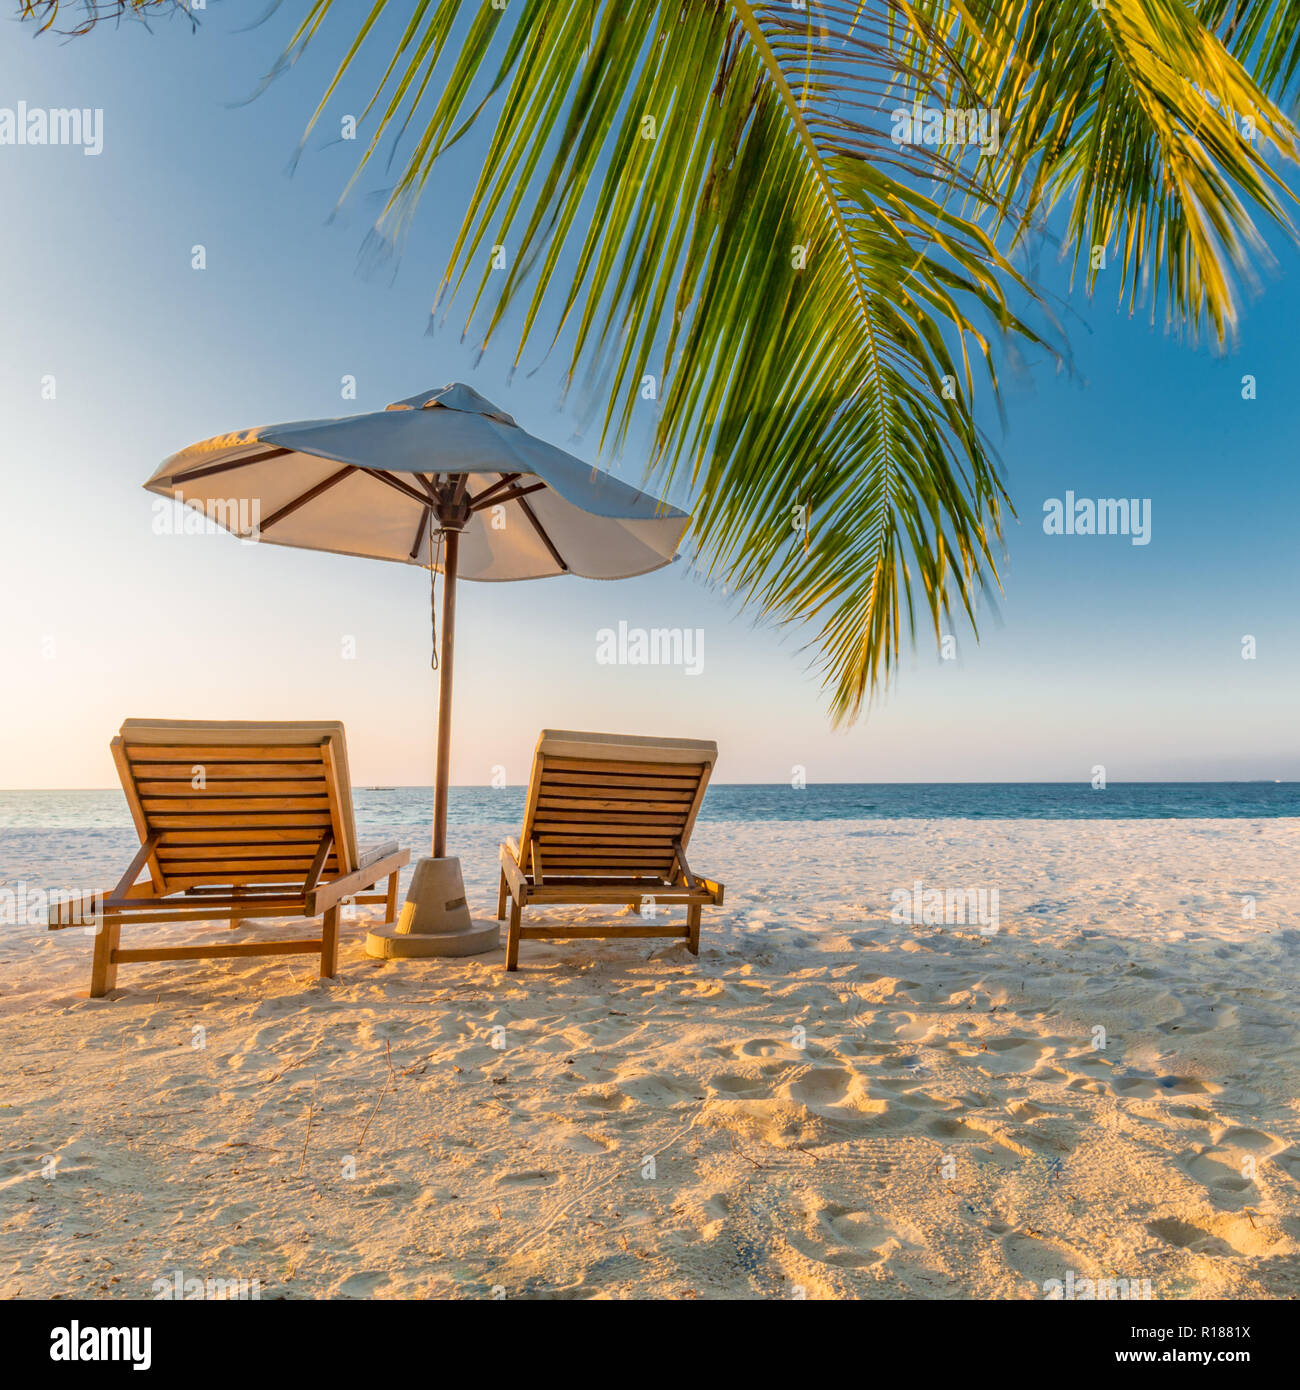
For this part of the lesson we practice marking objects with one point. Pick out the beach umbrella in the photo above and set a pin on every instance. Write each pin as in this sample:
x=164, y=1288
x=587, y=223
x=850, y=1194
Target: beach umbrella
x=445, y=480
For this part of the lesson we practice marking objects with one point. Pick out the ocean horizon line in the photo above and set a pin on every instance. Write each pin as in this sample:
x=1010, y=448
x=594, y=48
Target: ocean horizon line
x=956, y=782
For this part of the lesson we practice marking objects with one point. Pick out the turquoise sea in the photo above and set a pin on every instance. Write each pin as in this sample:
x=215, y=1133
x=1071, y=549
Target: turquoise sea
x=384, y=810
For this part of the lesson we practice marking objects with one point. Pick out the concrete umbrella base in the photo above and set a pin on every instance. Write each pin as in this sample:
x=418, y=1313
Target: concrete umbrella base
x=435, y=919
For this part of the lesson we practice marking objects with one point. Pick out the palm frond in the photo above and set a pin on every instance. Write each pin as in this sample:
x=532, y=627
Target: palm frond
x=1264, y=38
x=1136, y=119
x=704, y=194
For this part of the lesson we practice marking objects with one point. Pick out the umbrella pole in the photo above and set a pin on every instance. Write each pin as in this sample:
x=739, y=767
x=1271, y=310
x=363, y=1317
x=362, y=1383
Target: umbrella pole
x=435, y=919
x=450, y=562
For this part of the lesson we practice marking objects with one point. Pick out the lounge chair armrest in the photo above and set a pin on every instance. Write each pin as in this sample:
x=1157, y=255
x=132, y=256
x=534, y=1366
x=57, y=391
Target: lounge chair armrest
x=371, y=853
x=329, y=894
x=76, y=909
x=515, y=876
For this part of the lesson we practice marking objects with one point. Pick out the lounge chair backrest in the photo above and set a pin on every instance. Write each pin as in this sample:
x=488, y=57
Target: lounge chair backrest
x=609, y=804
x=236, y=803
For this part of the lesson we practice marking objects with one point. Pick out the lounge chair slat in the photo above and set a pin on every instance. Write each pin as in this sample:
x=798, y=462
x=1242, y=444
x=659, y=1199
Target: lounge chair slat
x=313, y=771
x=180, y=868
x=219, y=753
x=592, y=803
x=635, y=868
x=216, y=787
x=282, y=849
x=290, y=878
x=299, y=820
x=596, y=846
x=558, y=873
x=269, y=835
x=597, y=837
x=622, y=768
x=648, y=785
x=204, y=804
x=626, y=822
x=632, y=799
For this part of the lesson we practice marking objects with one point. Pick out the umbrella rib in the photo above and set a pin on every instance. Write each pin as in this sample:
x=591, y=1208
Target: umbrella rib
x=511, y=495
x=208, y=469
x=309, y=496
x=380, y=476
x=485, y=498
x=541, y=531
x=420, y=532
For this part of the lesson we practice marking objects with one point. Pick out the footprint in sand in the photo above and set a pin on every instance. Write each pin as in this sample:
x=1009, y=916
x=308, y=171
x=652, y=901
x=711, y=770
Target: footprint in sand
x=603, y=1100
x=847, y=1238
x=1219, y=1170
x=738, y=1087
x=586, y=1144
x=837, y=1095
x=908, y=1028
x=821, y=1087
x=654, y=1088
x=865, y=1239
x=1225, y=1234
x=946, y=1127
x=1005, y=1147
x=1223, y=1166
x=1251, y=1140
x=1001, y=1055
x=764, y=1047
x=526, y=1177
x=362, y=1285
x=1151, y=1087
x=1191, y=1112
x=1038, y=1259
x=1186, y=1236
x=910, y=1090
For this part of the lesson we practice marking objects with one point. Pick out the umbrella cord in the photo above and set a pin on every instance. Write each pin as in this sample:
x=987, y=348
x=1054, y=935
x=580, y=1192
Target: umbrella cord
x=433, y=592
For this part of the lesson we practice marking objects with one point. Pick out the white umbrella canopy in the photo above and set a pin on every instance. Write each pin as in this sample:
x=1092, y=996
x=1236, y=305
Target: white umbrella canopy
x=370, y=485
x=444, y=479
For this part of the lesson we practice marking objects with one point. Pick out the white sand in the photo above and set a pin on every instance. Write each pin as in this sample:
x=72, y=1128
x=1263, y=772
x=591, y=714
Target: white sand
x=947, y=1129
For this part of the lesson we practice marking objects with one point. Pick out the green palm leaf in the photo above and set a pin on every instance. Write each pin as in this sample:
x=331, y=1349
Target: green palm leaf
x=731, y=220
x=704, y=195
x=1138, y=120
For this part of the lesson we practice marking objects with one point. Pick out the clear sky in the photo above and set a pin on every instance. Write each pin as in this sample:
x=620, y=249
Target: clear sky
x=1101, y=651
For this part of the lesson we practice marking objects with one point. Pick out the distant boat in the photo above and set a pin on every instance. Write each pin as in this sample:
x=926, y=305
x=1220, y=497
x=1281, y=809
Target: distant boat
x=381, y=789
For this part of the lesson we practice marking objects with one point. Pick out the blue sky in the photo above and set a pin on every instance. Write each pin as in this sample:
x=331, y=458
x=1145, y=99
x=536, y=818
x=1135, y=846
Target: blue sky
x=1101, y=651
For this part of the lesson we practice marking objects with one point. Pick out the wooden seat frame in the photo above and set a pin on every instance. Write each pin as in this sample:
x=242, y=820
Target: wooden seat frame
x=608, y=829
x=264, y=836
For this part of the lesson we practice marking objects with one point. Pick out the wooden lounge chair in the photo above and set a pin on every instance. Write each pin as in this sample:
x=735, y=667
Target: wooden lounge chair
x=607, y=820
x=239, y=821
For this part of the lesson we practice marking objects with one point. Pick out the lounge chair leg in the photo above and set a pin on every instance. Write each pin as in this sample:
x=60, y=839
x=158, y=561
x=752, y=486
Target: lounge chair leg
x=103, y=968
x=501, y=899
x=329, y=946
x=390, y=908
x=693, y=924
x=237, y=922
x=512, y=940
